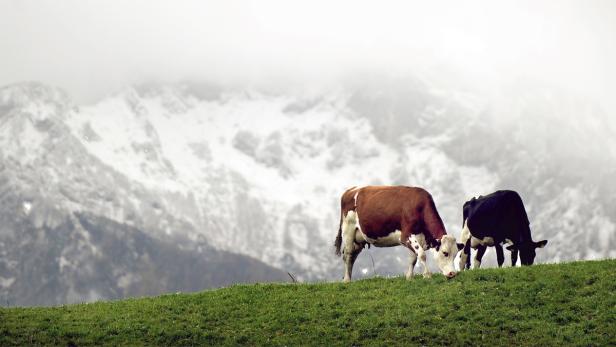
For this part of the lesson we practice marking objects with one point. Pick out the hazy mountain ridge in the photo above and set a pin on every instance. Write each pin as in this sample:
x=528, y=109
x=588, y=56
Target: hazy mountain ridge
x=261, y=174
x=51, y=185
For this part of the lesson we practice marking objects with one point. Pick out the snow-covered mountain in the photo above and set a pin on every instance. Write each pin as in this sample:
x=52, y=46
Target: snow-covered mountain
x=210, y=185
x=73, y=228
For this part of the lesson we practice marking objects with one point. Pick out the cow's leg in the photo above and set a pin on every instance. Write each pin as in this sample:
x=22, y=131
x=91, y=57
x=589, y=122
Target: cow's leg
x=348, y=267
x=465, y=256
x=480, y=252
x=500, y=257
x=514, y=257
x=467, y=250
x=350, y=260
x=422, y=259
x=412, y=262
x=349, y=226
x=419, y=245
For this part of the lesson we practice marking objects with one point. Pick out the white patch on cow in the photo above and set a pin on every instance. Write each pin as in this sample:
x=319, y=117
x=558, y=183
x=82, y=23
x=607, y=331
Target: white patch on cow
x=392, y=239
x=419, y=245
x=466, y=232
x=356, y=190
x=360, y=237
x=486, y=241
x=412, y=262
x=446, y=255
x=466, y=235
x=360, y=187
x=418, y=241
x=349, y=225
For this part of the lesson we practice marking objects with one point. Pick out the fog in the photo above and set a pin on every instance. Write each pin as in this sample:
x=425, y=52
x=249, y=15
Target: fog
x=221, y=134
x=91, y=48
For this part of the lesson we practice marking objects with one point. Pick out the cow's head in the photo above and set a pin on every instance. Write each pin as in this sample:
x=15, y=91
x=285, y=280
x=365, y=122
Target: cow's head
x=446, y=250
x=527, y=250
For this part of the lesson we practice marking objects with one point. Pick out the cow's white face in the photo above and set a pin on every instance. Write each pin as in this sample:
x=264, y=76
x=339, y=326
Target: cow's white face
x=446, y=253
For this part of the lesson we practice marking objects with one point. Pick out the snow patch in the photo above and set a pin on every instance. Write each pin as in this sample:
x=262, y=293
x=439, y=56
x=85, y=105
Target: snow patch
x=6, y=282
x=27, y=207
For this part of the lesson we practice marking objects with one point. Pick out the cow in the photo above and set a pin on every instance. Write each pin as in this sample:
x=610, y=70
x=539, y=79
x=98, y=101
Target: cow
x=387, y=216
x=492, y=220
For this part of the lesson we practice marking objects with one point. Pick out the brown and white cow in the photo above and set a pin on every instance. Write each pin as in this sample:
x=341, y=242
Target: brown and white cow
x=387, y=216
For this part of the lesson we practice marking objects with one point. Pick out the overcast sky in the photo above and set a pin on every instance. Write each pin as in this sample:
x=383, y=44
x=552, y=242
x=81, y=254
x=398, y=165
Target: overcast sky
x=94, y=47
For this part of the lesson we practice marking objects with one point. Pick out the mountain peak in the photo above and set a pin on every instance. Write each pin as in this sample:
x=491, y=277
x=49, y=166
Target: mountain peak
x=28, y=92
x=39, y=101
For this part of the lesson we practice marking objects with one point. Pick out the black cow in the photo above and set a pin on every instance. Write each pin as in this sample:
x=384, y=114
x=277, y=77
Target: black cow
x=494, y=219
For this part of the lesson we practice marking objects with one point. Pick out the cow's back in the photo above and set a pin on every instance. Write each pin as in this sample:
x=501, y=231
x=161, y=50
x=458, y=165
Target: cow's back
x=385, y=209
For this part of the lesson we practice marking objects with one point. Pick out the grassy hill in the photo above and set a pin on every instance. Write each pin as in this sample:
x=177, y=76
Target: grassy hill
x=562, y=304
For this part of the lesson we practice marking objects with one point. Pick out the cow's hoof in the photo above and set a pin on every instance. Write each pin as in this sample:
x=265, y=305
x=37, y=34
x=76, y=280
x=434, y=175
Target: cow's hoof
x=347, y=280
x=428, y=275
x=409, y=277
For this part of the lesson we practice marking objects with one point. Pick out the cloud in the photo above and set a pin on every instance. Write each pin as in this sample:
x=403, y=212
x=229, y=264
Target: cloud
x=92, y=47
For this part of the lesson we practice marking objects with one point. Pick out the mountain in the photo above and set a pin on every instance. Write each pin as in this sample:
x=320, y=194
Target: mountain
x=74, y=229
x=196, y=185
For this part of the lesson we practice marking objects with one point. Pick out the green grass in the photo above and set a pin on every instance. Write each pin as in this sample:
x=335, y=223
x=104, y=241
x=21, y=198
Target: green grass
x=543, y=305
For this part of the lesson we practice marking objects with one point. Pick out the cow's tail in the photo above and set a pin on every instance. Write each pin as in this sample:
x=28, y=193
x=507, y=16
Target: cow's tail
x=338, y=242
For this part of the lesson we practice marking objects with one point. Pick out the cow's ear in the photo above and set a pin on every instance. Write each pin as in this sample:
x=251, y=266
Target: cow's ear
x=541, y=244
x=460, y=246
x=512, y=248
